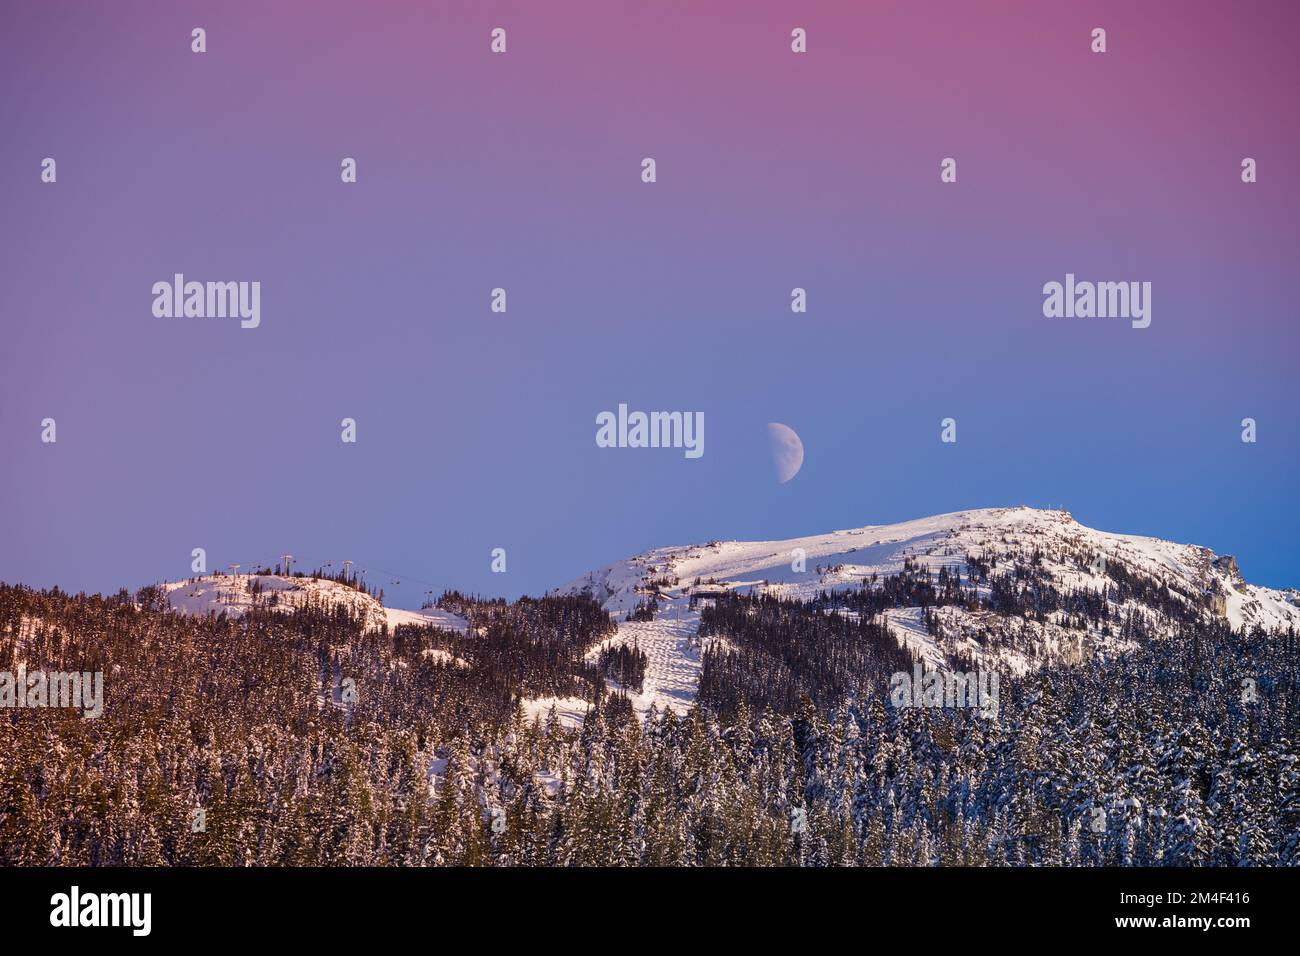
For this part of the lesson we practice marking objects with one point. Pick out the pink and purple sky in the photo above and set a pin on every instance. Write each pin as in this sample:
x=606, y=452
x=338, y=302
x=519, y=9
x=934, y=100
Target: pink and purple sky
x=522, y=170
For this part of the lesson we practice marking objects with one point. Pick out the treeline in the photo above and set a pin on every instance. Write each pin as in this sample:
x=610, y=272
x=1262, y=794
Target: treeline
x=1026, y=590
x=533, y=647
x=773, y=653
x=624, y=664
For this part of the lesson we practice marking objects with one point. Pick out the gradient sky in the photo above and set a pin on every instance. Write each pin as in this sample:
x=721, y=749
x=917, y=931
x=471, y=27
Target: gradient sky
x=523, y=171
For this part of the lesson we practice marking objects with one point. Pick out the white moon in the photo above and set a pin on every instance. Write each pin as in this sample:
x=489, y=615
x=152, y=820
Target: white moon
x=787, y=451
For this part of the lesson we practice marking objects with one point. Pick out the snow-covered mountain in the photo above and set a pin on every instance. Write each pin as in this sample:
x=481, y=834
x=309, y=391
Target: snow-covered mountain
x=1070, y=555
x=1062, y=551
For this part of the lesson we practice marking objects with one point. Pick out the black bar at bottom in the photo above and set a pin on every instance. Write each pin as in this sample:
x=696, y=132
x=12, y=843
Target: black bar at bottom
x=334, y=906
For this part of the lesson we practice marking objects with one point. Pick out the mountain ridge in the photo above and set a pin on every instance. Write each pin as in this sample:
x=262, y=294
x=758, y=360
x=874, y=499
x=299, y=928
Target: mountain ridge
x=1146, y=583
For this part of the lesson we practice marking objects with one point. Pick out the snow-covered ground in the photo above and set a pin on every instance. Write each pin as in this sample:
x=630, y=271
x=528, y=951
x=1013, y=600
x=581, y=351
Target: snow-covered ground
x=674, y=659
x=569, y=711
x=674, y=655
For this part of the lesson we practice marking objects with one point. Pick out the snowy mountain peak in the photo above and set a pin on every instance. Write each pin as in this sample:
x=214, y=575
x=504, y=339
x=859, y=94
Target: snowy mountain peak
x=802, y=567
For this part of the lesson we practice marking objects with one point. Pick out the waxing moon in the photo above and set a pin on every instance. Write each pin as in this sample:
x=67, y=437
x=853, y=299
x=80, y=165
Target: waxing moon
x=787, y=451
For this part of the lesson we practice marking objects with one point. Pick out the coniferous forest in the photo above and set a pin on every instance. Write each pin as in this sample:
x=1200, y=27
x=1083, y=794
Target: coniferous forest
x=306, y=738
